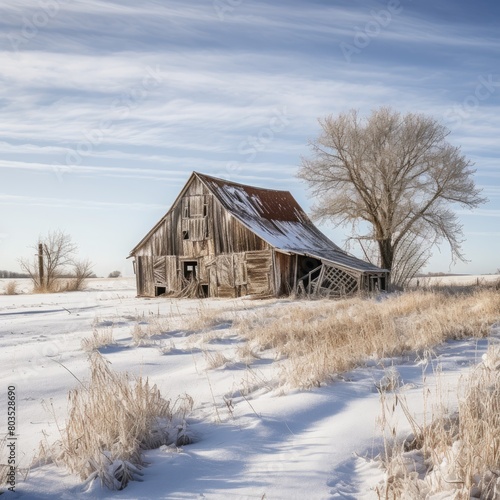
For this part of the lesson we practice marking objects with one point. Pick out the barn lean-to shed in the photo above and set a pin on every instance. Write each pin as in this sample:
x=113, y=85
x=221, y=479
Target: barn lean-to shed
x=223, y=239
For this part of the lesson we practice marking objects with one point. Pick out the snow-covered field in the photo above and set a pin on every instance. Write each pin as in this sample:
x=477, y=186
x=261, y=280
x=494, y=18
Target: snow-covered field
x=254, y=439
x=457, y=280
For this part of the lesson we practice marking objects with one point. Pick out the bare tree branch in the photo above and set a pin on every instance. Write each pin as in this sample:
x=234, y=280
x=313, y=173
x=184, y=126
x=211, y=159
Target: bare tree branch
x=399, y=174
x=59, y=253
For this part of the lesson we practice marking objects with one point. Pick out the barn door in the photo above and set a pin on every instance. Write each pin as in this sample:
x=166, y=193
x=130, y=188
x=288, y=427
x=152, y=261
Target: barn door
x=159, y=271
x=258, y=272
x=145, y=278
x=212, y=281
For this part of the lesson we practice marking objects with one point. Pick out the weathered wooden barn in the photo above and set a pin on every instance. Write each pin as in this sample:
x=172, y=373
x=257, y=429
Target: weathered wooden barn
x=223, y=239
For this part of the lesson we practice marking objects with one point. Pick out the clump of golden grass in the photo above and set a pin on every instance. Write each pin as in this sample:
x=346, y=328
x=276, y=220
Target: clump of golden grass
x=99, y=338
x=246, y=353
x=166, y=348
x=334, y=337
x=11, y=288
x=112, y=419
x=390, y=381
x=73, y=285
x=158, y=324
x=205, y=318
x=215, y=359
x=148, y=327
x=457, y=453
x=56, y=286
x=140, y=335
x=10, y=473
x=4, y=467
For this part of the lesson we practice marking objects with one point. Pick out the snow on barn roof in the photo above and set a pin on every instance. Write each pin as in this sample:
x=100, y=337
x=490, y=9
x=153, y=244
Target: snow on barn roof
x=276, y=217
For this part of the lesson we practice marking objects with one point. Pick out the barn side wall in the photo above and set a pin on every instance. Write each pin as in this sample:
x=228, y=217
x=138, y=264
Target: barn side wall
x=284, y=273
x=230, y=259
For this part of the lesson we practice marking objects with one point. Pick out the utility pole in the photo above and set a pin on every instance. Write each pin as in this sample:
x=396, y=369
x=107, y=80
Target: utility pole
x=40, y=263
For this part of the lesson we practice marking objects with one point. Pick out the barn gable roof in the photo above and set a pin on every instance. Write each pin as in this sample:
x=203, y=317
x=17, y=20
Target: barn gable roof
x=277, y=218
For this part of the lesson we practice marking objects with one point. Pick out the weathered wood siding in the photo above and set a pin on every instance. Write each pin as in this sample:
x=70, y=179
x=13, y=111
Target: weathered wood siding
x=144, y=269
x=231, y=259
x=259, y=269
x=198, y=225
x=166, y=272
x=284, y=273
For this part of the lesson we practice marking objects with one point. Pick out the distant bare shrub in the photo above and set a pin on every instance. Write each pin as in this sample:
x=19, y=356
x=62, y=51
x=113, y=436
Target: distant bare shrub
x=82, y=270
x=114, y=274
x=55, y=286
x=11, y=288
x=57, y=255
x=112, y=419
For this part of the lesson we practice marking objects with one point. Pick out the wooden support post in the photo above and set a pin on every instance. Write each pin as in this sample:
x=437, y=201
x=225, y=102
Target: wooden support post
x=320, y=280
x=276, y=278
x=295, y=274
x=40, y=263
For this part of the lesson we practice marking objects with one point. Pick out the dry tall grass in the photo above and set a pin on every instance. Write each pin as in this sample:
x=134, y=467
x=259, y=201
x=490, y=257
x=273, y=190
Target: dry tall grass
x=140, y=335
x=457, y=454
x=326, y=338
x=75, y=284
x=215, y=359
x=4, y=467
x=99, y=338
x=58, y=285
x=11, y=288
x=147, y=327
x=206, y=318
x=112, y=419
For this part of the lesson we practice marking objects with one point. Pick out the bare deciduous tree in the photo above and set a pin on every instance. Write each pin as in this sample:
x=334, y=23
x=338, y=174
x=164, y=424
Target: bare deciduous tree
x=413, y=253
x=393, y=179
x=58, y=257
x=82, y=270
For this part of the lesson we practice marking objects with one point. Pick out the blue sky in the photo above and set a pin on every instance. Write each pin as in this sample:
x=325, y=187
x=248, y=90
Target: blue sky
x=107, y=106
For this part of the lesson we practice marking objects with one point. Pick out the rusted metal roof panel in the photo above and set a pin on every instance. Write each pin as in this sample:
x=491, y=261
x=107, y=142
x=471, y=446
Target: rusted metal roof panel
x=276, y=217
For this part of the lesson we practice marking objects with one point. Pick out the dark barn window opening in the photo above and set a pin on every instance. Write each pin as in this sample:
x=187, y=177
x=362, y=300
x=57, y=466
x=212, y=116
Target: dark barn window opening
x=185, y=211
x=377, y=283
x=308, y=265
x=189, y=269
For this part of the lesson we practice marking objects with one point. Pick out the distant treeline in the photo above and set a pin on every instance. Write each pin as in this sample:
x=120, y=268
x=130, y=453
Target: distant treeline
x=11, y=274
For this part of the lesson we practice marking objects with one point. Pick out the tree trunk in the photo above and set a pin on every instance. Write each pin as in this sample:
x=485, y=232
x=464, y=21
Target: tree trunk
x=40, y=264
x=386, y=253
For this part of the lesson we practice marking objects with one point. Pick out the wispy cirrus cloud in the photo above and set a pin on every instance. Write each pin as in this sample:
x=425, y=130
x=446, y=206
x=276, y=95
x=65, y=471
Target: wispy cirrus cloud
x=40, y=201
x=480, y=212
x=220, y=82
